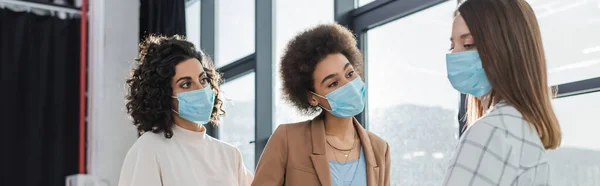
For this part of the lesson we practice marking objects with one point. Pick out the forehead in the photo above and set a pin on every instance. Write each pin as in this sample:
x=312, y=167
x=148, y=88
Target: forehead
x=459, y=26
x=332, y=63
x=189, y=67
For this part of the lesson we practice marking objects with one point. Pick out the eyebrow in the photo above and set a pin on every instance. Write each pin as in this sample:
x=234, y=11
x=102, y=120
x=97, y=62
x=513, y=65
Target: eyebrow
x=188, y=77
x=183, y=78
x=334, y=74
x=462, y=36
x=347, y=65
x=328, y=77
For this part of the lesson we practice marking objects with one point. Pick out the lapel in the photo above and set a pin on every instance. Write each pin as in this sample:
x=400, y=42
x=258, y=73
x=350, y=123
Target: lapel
x=372, y=167
x=319, y=156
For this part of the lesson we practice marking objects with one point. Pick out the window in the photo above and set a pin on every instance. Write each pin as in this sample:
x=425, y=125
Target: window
x=192, y=21
x=364, y=2
x=237, y=127
x=411, y=104
x=570, y=35
x=576, y=161
x=291, y=19
x=235, y=33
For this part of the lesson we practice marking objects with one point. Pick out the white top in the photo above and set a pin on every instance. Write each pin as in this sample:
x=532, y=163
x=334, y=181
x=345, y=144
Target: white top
x=499, y=149
x=187, y=159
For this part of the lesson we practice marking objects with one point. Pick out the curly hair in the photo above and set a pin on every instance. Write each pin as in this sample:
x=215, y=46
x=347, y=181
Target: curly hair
x=148, y=99
x=305, y=51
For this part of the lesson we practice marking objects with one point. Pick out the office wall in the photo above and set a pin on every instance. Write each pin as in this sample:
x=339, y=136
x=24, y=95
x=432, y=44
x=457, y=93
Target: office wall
x=113, y=46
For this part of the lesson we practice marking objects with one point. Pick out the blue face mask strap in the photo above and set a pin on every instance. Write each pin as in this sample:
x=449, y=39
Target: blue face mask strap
x=317, y=95
x=324, y=108
x=320, y=104
x=174, y=97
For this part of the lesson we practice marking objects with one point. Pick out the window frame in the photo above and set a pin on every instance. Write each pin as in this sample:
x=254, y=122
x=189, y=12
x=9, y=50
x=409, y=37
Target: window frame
x=264, y=52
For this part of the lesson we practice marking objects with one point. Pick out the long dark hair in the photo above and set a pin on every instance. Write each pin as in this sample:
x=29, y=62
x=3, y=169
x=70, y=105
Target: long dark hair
x=509, y=43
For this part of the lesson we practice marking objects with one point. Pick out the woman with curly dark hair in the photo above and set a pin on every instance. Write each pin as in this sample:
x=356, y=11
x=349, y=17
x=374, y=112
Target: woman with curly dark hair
x=321, y=70
x=173, y=91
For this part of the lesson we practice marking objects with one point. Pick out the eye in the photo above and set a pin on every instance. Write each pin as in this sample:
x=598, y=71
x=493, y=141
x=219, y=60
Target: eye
x=350, y=74
x=334, y=84
x=185, y=85
x=468, y=46
x=204, y=81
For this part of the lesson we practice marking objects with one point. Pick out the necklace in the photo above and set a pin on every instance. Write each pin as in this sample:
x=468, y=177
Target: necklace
x=346, y=152
x=340, y=149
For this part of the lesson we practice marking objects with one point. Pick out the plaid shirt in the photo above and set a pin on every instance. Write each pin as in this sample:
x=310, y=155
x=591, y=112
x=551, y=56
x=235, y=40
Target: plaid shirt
x=499, y=149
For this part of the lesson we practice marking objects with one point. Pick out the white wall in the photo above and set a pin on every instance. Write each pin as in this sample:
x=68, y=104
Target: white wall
x=113, y=46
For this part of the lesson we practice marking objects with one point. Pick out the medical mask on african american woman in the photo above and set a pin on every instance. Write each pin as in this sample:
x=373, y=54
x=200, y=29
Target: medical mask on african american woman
x=348, y=100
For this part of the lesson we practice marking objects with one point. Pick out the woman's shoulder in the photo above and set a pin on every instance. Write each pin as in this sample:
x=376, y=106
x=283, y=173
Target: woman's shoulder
x=148, y=143
x=502, y=122
x=225, y=146
x=377, y=141
x=294, y=127
x=151, y=137
x=149, y=140
x=508, y=120
x=502, y=117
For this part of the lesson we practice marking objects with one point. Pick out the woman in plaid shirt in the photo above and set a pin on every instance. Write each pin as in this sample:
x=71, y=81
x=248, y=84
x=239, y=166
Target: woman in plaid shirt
x=497, y=58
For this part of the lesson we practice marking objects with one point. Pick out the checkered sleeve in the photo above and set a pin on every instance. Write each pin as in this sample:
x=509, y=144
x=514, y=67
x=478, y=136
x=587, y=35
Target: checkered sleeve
x=482, y=158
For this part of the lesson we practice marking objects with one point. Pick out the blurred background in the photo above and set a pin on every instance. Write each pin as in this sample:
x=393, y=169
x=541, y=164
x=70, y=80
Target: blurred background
x=64, y=65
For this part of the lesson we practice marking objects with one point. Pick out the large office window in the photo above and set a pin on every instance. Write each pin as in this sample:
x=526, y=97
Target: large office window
x=235, y=33
x=570, y=35
x=577, y=161
x=411, y=103
x=237, y=127
x=192, y=22
x=363, y=2
x=291, y=19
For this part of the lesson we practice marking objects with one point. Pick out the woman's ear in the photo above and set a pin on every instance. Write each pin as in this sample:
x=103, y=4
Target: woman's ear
x=175, y=104
x=312, y=99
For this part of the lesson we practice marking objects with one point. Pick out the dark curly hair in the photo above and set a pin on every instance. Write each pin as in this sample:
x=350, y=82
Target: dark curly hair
x=149, y=100
x=303, y=53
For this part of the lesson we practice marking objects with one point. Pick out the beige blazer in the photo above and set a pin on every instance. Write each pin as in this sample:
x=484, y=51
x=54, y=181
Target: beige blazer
x=295, y=155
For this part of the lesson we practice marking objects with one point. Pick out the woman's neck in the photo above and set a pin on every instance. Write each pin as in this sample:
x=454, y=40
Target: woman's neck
x=188, y=125
x=487, y=101
x=341, y=128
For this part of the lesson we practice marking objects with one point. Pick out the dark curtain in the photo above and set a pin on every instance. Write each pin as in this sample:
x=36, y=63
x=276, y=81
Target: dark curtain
x=39, y=68
x=162, y=17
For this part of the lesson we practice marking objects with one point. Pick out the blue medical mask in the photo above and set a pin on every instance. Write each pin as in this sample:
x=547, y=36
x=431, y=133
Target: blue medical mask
x=348, y=100
x=196, y=105
x=466, y=73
